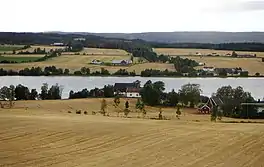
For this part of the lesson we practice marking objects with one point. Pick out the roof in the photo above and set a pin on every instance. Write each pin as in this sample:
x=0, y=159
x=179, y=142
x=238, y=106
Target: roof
x=121, y=61
x=216, y=101
x=261, y=104
x=129, y=89
x=123, y=86
x=201, y=106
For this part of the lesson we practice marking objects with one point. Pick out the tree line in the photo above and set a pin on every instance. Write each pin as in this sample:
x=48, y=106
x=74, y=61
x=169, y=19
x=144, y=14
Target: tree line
x=152, y=94
x=20, y=92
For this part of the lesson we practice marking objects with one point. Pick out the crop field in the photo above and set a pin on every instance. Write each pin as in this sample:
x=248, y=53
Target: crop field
x=43, y=133
x=192, y=52
x=101, y=51
x=75, y=62
x=46, y=47
x=252, y=65
x=9, y=48
x=18, y=59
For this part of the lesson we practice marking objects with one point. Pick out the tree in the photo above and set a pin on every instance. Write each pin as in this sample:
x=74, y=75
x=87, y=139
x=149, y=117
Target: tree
x=160, y=114
x=190, y=94
x=22, y=92
x=178, y=111
x=151, y=93
x=126, y=110
x=103, y=107
x=232, y=99
x=116, y=105
x=85, y=71
x=127, y=104
x=55, y=92
x=33, y=94
x=66, y=71
x=173, y=98
x=108, y=91
x=44, y=91
x=141, y=107
x=8, y=93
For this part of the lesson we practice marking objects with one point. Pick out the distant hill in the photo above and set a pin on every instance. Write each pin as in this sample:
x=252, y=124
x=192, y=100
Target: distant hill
x=190, y=37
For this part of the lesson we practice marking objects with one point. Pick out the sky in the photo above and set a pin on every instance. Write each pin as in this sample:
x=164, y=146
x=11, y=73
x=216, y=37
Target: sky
x=130, y=16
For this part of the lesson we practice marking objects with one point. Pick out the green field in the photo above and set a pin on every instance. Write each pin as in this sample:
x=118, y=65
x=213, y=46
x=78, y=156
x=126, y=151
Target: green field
x=7, y=48
x=18, y=59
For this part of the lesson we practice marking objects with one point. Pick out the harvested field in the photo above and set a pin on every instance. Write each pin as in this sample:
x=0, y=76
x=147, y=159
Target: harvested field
x=106, y=52
x=253, y=65
x=46, y=135
x=18, y=59
x=191, y=52
x=46, y=47
x=9, y=48
x=75, y=62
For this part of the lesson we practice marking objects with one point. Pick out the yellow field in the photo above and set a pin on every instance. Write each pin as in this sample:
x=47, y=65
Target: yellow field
x=75, y=62
x=44, y=134
x=253, y=65
x=96, y=51
x=46, y=47
x=192, y=52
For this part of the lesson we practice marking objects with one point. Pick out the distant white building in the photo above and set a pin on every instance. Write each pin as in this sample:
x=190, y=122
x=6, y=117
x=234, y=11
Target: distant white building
x=79, y=39
x=129, y=90
x=209, y=69
x=121, y=62
x=98, y=62
x=132, y=93
x=57, y=44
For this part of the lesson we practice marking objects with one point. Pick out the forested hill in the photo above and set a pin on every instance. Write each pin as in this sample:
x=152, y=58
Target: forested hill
x=117, y=42
x=191, y=37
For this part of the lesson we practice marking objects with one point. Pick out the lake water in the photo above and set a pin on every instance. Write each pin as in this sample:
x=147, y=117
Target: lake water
x=208, y=85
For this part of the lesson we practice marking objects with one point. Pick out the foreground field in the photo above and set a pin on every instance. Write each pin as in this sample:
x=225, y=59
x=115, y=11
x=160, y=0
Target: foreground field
x=40, y=136
x=192, y=52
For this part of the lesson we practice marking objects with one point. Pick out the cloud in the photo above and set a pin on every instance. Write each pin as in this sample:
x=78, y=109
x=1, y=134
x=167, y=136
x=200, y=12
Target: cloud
x=252, y=6
x=236, y=6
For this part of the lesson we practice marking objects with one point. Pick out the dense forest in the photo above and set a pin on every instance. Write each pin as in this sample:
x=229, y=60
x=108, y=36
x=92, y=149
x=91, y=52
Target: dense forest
x=118, y=43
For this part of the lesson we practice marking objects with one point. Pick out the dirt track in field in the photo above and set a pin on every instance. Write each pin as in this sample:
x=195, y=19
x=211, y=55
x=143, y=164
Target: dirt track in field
x=38, y=137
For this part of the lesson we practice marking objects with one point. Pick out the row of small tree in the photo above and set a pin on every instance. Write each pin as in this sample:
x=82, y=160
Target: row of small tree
x=9, y=94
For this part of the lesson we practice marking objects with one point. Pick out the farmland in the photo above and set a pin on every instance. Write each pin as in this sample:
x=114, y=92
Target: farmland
x=74, y=61
x=18, y=59
x=192, y=52
x=9, y=48
x=43, y=133
x=252, y=65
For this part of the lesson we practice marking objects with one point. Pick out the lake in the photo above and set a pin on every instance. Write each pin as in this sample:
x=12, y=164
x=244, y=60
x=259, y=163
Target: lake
x=208, y=85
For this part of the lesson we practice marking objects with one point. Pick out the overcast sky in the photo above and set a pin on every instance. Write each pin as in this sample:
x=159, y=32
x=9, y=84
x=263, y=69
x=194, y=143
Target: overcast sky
x=131, y=16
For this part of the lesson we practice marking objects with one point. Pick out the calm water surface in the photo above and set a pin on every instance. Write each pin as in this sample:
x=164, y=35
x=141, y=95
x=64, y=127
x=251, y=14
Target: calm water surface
x=208, y=85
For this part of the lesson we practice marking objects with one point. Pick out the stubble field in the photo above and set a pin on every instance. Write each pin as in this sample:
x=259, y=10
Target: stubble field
x=74, y=62
x=252, y=65
x=192, y=52
x=44, y=134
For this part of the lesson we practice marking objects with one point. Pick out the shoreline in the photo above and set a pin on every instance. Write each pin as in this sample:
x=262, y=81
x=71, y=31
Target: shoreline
x=124, y=76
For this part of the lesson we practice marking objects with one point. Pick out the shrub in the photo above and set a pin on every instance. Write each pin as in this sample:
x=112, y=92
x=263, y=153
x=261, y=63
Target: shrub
x=79, y=112
x=85, y=112
x=69, y=112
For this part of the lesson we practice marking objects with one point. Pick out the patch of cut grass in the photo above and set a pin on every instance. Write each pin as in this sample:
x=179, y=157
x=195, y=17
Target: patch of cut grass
x=18, y=59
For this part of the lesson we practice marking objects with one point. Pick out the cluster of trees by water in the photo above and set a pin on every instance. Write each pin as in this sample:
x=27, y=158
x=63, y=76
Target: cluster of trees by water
x=20, y=92
x=85, y=71
x=152, y=94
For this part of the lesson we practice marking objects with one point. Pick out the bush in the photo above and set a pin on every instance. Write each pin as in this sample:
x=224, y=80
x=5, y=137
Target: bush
x=79, y=112
x=85, y=112
x=69, y=112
